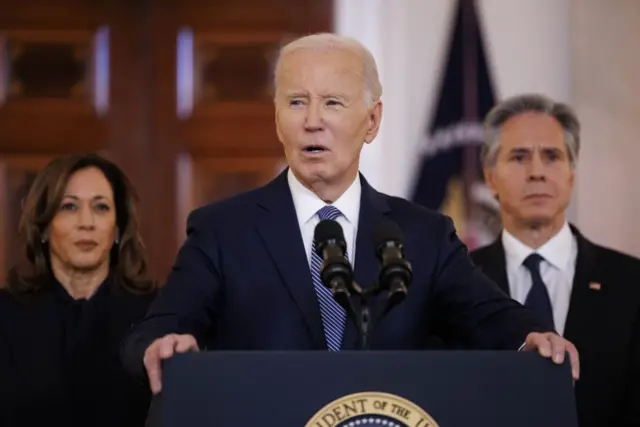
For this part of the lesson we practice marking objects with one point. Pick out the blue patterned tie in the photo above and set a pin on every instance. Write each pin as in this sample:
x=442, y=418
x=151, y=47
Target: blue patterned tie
x=538, y=298
x=333, y=315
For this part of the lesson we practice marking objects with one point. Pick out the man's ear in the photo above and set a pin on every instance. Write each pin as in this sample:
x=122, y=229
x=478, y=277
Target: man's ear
x=375, y=118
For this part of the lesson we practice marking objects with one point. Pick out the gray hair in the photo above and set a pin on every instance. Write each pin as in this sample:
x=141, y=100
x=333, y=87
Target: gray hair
x=372, y=85
x=529, y=103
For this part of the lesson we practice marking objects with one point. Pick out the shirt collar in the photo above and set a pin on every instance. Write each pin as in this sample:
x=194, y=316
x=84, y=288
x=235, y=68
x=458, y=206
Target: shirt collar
x=307, y=203
x=557, y=251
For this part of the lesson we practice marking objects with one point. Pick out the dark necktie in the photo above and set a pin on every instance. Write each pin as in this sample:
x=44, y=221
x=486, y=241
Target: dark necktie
x=538, y=298
x=333, y=315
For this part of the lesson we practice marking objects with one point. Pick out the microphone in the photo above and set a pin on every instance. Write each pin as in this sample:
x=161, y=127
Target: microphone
x=336, y=272
x=395, y=273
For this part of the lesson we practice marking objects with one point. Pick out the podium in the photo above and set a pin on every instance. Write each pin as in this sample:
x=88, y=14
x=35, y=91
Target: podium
x=364, y=388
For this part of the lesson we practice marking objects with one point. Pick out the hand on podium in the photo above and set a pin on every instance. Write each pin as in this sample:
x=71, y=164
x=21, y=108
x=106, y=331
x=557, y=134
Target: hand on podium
x=552, y=345
x=162, y=349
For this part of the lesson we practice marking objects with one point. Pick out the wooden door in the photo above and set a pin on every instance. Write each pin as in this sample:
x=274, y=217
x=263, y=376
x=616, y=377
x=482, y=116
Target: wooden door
x=176, y=92
x=53, y=95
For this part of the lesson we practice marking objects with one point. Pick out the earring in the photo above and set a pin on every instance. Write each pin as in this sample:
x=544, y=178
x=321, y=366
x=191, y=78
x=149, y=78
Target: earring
x=43, y=240
x=116, y=241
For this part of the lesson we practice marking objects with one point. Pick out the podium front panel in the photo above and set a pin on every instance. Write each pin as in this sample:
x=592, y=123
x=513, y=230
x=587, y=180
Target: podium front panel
x=360, y=389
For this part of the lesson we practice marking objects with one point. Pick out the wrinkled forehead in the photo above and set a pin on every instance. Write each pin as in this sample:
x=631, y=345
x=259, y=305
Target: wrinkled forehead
x=321, y=70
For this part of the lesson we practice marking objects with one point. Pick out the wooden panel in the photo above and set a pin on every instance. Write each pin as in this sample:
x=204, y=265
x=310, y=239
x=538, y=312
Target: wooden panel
x=216, y=178
x=203, y=180
x=241, y=135
x=232, y=69
x=16, y=176
x=142, y=63
x=47, y=14
x=50, y=91
x=46, y=69
x=252, y=15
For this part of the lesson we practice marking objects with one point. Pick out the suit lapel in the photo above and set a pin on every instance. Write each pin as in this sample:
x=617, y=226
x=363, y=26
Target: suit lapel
x=280, y=233
x=583, y=302
x=496, y=266
x=373, y=207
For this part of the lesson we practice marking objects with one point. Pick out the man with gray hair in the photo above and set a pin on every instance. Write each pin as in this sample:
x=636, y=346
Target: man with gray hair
x=587, y=293
x=248, y=277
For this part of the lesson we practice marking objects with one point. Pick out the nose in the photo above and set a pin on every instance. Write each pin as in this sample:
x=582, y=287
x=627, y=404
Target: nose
x=86, y=218
x=314, y=120
x=537, y=168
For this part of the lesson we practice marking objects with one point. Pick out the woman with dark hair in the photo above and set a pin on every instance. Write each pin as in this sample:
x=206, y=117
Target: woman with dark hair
x=64, y=312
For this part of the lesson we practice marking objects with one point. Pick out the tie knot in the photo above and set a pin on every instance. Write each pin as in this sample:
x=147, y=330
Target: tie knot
x=329, y=212
x=532, y=262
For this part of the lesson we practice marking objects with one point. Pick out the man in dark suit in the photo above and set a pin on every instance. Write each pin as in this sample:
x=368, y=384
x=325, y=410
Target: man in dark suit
x=246, y=277
x=589, y=294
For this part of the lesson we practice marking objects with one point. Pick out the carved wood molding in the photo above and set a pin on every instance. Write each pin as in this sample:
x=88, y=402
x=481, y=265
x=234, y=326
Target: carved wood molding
x=42, y=70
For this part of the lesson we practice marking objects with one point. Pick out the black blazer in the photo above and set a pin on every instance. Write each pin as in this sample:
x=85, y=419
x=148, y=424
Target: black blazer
x=242, y=281
x=604, y=325
x=59, y=360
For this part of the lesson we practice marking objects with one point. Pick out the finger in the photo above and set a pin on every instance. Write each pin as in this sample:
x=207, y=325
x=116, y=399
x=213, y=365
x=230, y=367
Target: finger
x=152, y=364
x=167, y=346
x=558, y=348
x=574, y=357
x=542, y=343
x=186, y=343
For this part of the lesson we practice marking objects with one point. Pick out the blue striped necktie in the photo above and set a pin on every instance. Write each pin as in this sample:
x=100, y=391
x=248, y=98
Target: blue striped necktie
x=333, y=315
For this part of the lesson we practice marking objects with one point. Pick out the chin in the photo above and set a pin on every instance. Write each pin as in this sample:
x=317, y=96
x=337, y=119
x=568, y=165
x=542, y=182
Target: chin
x=87, y=264
x=314, y=173
x=538, y=220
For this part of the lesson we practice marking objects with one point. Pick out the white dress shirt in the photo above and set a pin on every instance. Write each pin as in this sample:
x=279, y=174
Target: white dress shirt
x=308, y=204
x=557, y=270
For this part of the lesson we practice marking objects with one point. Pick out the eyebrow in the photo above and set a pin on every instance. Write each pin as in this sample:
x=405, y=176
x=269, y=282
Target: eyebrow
x=527, y=149
x=324, y=96
x=341, y=97
x=73, y=197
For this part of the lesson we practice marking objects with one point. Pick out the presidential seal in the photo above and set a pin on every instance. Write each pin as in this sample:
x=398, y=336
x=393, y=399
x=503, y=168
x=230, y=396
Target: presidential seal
x=371, y=409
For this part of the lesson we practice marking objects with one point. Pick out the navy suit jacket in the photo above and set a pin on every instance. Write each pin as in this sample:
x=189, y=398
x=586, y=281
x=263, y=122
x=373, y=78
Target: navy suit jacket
x=241, y=281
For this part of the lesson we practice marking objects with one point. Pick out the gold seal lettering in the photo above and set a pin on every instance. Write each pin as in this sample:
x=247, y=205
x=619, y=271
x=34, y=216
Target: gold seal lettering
x=371, y=404
x=401, y=411
x=380, y=404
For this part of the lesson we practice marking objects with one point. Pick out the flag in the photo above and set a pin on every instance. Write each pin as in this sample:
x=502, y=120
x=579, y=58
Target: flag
x=449, y=177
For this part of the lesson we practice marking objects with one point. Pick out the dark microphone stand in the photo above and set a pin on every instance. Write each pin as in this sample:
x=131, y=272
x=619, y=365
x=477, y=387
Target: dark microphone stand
x=362, y=313
x=337, y=274
x=357, y=303
x=395, y=275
